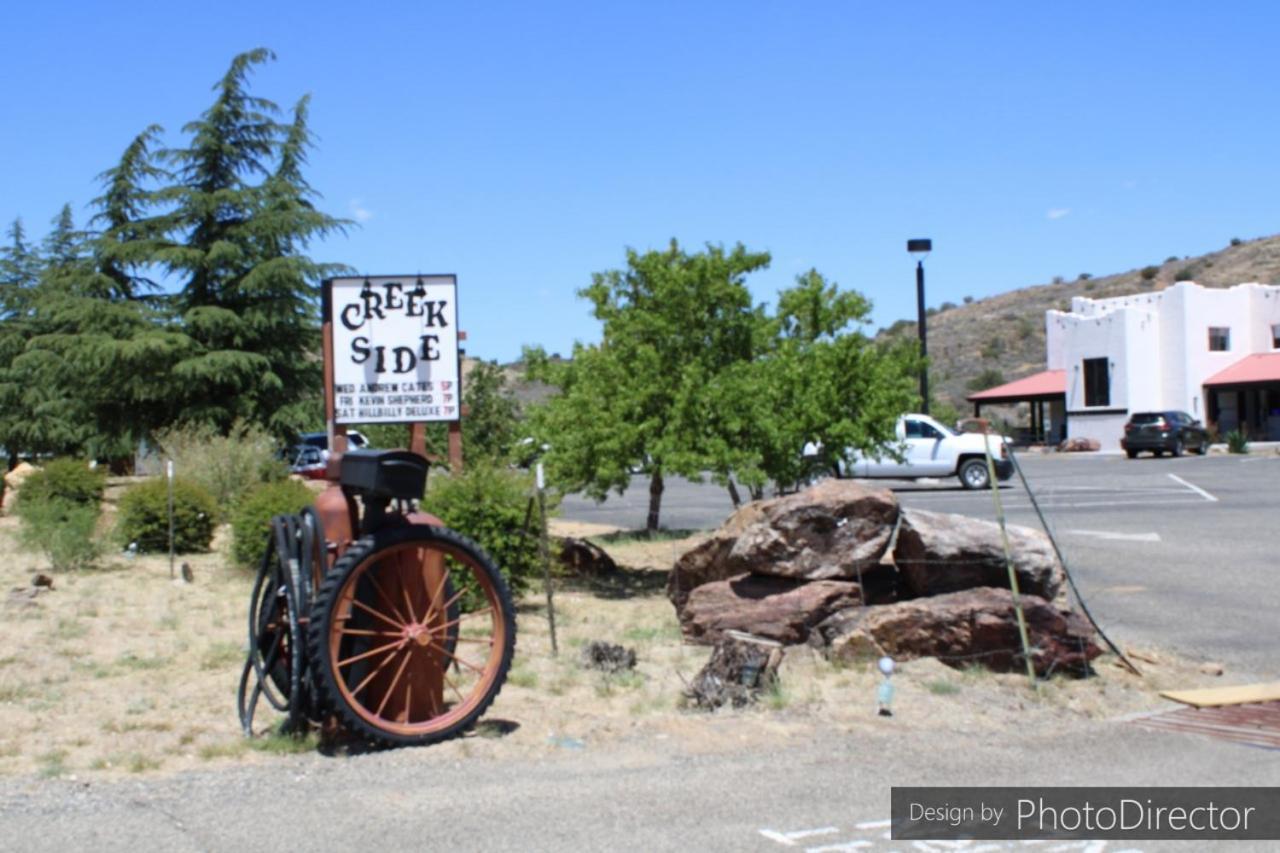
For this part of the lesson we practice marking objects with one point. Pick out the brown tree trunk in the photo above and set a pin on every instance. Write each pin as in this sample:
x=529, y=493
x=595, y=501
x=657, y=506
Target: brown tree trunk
x=757, y=493
x=655, y=499
x=733, y=494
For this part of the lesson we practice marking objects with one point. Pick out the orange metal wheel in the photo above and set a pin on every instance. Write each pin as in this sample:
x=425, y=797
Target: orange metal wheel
x=412, y=635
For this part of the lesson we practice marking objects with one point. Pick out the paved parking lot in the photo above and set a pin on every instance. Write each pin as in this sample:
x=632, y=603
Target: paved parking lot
x=1178, y=553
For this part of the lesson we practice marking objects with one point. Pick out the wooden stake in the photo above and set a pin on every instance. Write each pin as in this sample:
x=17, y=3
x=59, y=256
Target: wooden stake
x=1008, y=561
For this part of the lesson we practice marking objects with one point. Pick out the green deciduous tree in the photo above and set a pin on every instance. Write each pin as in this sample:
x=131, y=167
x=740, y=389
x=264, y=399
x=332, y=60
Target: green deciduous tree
x=690, y=377
x=672, y=322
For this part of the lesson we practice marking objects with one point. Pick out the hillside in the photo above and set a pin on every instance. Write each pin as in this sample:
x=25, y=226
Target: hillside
x=1005, y=333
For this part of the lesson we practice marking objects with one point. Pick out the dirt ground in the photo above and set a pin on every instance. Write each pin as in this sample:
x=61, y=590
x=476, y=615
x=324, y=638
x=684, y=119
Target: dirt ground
x=121, y=670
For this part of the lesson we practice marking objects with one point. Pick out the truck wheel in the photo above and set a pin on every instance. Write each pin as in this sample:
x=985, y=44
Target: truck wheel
x=974, y=474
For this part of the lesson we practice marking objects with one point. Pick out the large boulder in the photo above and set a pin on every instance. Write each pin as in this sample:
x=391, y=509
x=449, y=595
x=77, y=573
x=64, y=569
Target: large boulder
x=972, y=627
x=940, y=552
x=835, y=530
x=780, y=609
x=13, y=482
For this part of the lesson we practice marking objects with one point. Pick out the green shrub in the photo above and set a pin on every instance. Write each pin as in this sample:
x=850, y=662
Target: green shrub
x=226, y=466
x=488, y=503
x=68, y=480
x=1149, y=272
x=251, y=520
x=144, y=516
x=988, y=378
x=1237, y=442
x=1185, y=274
x=63, y=531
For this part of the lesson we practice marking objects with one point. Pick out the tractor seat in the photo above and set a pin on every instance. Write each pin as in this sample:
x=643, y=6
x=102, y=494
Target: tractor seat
x=387, y=474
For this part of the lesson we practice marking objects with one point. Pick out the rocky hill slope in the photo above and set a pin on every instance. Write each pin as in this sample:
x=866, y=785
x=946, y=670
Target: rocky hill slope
x=990, y=341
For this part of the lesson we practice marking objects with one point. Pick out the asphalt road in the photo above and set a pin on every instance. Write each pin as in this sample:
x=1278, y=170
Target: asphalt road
x=1176, y=553
x=828, y=796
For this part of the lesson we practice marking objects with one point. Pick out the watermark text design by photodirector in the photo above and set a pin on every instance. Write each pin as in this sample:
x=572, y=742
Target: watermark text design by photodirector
x=1086, y=813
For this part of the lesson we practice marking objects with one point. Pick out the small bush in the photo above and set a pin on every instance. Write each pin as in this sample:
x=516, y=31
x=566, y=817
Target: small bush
x=251, y=520
x=1185, y=274
x=67, y=480
x=1084, y=276
x=968, y=300
x=226, y=466
x=487, y=503
x=1237, y=442
x=62, y=530
x=993, y=348
x=1148, y=272
x=1236, y=241
x=144, y=516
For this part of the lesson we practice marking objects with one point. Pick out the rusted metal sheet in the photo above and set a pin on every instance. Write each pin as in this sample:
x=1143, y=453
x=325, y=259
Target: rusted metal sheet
x=1255, y=724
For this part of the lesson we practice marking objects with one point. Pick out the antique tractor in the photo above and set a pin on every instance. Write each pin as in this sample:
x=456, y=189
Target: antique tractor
x=371, y=613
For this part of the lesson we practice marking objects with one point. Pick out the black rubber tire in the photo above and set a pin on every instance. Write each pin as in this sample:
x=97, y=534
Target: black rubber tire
x=326, y=600
x=974, y=475
x=1178, y=448
x=1157, y=453
x=1132, y=454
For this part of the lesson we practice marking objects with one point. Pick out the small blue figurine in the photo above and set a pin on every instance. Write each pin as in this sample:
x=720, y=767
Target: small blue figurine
x=884, y=696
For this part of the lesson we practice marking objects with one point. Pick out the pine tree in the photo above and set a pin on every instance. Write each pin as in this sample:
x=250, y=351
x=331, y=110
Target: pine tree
x=20, y=267
x=243, y=217
x=131, y=234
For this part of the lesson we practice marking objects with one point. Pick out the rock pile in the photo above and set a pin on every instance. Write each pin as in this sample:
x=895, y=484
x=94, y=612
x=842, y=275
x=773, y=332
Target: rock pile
x=844, y=568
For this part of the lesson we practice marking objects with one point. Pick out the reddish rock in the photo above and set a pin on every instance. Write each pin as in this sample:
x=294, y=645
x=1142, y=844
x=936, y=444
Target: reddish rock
x=780, y=609
x=583, y=558
x=1079, y=445
x=976, y=626
x=836, y=529
x=939, y=552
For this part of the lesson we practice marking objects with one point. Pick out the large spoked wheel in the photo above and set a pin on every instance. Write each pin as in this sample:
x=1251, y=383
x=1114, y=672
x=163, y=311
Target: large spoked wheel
x=412, y=634
x=974, y=474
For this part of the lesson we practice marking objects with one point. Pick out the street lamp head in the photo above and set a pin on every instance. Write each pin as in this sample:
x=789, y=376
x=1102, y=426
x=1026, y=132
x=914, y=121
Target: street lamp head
x=919, y=248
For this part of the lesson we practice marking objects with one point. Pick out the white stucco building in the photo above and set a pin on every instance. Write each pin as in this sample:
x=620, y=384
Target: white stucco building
x=1211, y=352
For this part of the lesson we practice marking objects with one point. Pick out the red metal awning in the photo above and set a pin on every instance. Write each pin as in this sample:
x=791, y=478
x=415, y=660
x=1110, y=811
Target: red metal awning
x=1038, y=386
x=1259, y=367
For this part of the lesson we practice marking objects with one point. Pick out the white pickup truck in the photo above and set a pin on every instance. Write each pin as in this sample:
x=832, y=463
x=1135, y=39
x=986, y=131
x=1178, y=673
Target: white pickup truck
x=930, y=449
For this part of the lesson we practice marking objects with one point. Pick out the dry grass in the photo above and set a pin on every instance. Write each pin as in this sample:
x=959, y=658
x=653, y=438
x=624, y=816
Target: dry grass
x=120, y=671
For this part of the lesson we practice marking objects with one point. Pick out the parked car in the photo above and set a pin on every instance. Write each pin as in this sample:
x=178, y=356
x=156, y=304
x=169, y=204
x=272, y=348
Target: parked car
x=309, y=462
x=930, y=449
x=355, y=440
x=309, y=458
x=1163, y=432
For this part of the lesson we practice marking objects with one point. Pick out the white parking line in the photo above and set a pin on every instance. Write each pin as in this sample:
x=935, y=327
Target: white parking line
x=1120, y=537
x=1194, y=488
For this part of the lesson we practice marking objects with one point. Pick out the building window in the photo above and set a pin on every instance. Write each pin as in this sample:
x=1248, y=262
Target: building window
x=1219, y=339
x=1275, y=336
x=1097, y=382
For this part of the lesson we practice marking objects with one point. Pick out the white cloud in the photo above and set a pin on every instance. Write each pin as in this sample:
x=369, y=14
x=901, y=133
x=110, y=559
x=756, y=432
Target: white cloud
x=1058, y=212
x=359, y=212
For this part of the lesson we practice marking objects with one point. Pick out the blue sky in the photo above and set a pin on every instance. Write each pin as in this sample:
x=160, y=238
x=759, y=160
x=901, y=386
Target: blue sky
x=523, y=146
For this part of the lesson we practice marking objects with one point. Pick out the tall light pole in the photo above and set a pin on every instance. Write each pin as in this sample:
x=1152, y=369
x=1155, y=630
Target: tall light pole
x=919, y=249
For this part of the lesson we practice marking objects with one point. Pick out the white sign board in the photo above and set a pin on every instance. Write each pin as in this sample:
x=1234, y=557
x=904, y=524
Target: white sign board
x=394, y=341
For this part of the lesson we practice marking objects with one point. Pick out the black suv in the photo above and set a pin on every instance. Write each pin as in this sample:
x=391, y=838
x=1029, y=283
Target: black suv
x=1158, y=432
